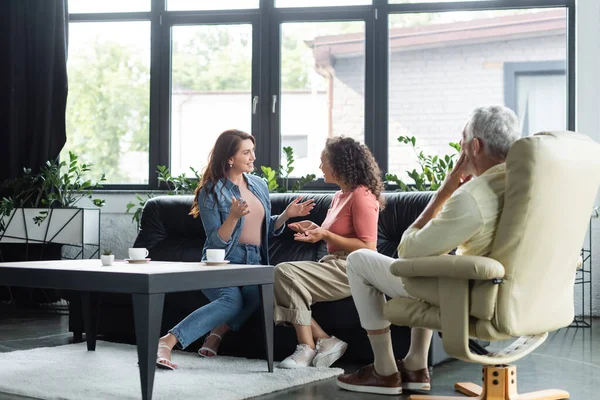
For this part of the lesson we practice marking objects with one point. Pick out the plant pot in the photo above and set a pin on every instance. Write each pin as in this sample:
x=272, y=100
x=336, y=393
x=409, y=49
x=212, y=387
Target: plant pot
x=71, y=226
x=107, y=261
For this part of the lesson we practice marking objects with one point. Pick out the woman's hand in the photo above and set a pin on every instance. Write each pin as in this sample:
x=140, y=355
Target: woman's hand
x=312, y=235
x=297, y=209
x=239, y=208
x=303, y=226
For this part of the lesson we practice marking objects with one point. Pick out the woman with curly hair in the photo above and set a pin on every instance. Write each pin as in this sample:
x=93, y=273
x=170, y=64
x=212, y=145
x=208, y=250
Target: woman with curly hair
x=351, y=224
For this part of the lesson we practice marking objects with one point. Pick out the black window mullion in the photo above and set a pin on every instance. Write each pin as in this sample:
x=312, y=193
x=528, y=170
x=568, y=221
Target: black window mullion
x=325, y=14
x=207, y=18
x=261, y=83
x=272, y=112
x=571, y=68
x=156, y=134
x=380, y=108
x=370, y=82
x=110, y=17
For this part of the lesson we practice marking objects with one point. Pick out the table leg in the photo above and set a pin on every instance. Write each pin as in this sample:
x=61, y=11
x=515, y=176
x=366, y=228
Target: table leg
x=147, y=315
x=266, y=295
x=89, y=303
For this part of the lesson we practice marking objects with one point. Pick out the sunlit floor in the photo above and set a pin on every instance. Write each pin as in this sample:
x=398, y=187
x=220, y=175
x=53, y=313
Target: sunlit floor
x=569, y=360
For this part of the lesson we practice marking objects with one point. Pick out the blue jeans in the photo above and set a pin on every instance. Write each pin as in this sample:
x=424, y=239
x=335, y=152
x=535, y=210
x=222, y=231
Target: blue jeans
x=230, y=305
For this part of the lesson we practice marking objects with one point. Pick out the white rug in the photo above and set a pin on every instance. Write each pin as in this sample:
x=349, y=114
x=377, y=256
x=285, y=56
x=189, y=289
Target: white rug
x=111, y=372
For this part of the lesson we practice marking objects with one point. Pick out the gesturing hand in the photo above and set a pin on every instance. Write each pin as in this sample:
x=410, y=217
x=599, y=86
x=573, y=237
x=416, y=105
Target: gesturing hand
x=312, y=235
x=297, y=209
x=239, y=208
x=302, y=226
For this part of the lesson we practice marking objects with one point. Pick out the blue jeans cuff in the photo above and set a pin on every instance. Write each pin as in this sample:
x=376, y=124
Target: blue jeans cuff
x=180, y=341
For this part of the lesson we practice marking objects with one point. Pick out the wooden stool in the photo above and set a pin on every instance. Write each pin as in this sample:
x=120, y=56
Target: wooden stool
x=499, y=383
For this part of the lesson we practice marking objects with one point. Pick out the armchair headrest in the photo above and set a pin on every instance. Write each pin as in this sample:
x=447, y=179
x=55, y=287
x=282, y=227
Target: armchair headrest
x=552, y=180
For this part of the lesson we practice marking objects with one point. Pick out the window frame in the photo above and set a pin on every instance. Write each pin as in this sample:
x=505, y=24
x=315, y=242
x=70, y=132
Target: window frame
x=512, y=70
x=266, y=21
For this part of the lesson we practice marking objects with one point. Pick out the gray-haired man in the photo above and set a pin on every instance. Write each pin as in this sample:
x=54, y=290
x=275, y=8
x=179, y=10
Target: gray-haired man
x=463, y=214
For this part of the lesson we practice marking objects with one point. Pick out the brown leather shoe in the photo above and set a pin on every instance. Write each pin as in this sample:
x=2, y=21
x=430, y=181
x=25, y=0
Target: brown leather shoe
x=366, y=380
x=414, y=380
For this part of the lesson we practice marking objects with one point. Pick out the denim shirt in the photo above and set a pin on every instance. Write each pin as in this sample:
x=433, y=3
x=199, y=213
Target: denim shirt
x=214, y=209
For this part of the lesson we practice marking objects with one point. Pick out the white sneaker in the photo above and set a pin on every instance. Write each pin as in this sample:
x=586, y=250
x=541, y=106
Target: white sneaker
x=301, y=358
x=329, y=351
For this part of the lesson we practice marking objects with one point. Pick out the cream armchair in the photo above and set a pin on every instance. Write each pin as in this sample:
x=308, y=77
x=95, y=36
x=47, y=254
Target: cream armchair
x=524, y=289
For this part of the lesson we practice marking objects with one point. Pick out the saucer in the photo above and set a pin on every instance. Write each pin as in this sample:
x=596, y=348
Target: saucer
x=140, y=261
x=210, y=263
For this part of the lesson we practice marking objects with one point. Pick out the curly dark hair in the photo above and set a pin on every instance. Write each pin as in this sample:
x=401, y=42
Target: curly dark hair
x=354, y=165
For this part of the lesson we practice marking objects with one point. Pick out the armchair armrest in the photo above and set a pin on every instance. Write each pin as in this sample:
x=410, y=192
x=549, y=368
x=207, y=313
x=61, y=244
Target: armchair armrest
x=465, y=267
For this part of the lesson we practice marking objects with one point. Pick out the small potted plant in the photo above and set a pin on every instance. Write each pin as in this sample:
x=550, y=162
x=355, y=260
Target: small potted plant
x=107, y=258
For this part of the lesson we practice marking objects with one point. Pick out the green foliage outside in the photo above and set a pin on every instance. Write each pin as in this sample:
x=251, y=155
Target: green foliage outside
x=274, y=176
x=432, y=169
x=108, y=106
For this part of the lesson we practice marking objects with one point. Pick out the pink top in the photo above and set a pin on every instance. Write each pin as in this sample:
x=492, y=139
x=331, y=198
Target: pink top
x=353, y=215
x=253, y=222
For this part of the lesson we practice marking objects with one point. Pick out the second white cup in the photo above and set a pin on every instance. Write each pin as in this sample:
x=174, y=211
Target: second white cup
x=215, y=255
x=138, y=253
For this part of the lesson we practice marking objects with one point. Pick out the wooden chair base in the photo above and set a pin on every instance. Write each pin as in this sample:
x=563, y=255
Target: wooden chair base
x=499, y=383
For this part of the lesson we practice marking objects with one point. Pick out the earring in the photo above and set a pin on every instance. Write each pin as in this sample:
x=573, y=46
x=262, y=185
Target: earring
x=230, y=165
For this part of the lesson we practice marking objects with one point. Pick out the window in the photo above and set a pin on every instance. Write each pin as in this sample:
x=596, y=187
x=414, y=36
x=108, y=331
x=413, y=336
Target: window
x=210, y=90
x=154, y=82
x=109, y=98
x=319, y=3
x=537, y=92
x=443, y=65
x=184, y=5
x=428, y=1
x=108, y=6
x=297, y=142
x=322, y=86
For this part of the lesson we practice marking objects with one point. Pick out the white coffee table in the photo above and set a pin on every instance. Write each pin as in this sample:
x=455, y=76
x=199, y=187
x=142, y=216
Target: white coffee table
x=148, y=284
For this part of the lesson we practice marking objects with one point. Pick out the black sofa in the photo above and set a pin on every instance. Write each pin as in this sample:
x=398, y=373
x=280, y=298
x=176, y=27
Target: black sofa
x=170, y=234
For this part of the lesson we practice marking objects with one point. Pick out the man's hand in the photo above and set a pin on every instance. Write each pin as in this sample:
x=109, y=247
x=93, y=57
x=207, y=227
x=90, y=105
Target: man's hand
x=456, y=178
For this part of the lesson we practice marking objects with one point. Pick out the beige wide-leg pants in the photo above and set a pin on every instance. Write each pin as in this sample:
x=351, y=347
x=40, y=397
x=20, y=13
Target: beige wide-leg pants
x=300, y=284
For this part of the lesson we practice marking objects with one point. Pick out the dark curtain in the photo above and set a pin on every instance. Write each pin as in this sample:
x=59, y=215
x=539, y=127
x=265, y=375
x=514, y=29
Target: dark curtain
x=33, y=83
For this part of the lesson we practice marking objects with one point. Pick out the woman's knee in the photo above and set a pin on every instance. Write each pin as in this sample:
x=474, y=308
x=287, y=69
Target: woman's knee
x=283, y=273
x=231, y=298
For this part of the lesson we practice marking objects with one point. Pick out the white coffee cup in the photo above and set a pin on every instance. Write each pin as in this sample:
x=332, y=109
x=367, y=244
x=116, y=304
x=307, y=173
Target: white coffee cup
x=138, y=253
x=215, y=255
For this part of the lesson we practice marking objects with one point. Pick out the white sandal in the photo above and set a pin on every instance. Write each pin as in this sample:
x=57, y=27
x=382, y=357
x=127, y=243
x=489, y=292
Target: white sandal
x=208, y=349
x=163, y=362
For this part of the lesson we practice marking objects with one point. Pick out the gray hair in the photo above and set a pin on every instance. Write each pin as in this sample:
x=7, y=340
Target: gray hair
x=497, y=126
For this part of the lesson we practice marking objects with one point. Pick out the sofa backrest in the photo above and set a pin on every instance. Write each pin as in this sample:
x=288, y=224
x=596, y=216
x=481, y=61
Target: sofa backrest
x=171, y=234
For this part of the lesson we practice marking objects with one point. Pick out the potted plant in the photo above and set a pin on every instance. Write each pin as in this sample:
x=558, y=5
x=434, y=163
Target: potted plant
x=107, y=258
x=41, y=207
